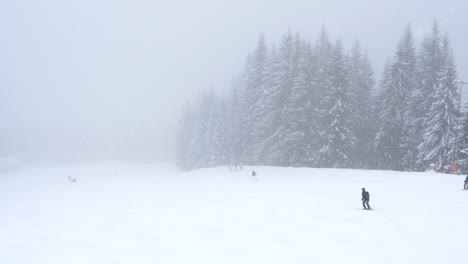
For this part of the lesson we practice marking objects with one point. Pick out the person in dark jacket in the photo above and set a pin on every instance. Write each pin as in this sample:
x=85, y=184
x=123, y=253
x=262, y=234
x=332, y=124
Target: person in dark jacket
x=466, y=183
x=365, y=199
x=254, y=174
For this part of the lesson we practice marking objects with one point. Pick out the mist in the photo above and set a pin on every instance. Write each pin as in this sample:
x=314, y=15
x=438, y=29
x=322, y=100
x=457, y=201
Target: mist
x=90, y=80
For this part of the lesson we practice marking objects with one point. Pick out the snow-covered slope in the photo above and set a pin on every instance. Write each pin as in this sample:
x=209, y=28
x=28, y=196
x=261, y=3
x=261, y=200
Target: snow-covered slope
x=147, y=213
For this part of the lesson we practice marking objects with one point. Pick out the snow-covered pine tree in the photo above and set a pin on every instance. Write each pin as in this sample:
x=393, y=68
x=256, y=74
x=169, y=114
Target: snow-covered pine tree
x=267, y=115
x=234, y=126
x=217, y=153
x=361, y=81
x=323, y=52
x=282, y=81
x=408, y=77
x=303, y=133
x=396, y=88
x=384, y=148
x=440, y=132
x=184, y=134
x=200, y=140
x=320, y=75
x=429, y=77
x=308, y=77
x=293, y=115
x=335, y=112
x=255, y=75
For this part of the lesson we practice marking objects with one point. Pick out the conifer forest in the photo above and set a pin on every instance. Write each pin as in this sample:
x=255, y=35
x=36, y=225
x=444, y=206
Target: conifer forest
x=303, y=103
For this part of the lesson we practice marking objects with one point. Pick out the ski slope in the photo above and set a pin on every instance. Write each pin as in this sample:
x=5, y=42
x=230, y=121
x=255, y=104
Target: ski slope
x=151, y=213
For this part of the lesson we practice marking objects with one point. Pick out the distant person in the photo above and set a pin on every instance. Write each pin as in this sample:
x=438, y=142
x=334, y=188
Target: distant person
x=71, y=179
x=466, y=183
x=365, y=199
x=253, y=175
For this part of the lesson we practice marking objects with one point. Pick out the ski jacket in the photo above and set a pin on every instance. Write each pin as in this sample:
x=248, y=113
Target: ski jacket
x=466, y=180
x=365, y=196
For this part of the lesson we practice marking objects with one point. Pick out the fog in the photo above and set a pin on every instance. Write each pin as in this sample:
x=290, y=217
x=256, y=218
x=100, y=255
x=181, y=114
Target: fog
x=106, y=79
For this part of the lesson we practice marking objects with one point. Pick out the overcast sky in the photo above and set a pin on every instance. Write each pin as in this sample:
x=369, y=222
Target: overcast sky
x=107, y=78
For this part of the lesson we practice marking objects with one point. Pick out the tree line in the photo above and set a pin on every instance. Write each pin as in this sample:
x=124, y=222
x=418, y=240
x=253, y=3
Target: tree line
x=305, y=104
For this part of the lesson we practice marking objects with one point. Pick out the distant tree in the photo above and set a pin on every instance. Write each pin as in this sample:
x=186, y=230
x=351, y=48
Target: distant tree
x=281, y=81
x=234, y=125
x=294, y=110
x=361, y=82
x=254, y=77
x=335, y=111
x=440, y=131
x=200, y=139
x=217, y=149
x=185, y=133
x=429, y=70
x=267, y=114
x=396, y=87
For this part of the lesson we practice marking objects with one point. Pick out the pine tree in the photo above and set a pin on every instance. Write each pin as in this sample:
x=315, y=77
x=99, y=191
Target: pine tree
x=429, y=70
x=361, y=79
x=394, y=99
x=337, y=139
x=201, y=135
x=185, y=132
x=309, y=78
x=255, y=75
x=302, y=135
x=293, y=113
x=216, y=152
x=323, y=56
x=440, y=132
x=320, y=71
x=234, y=124
x=282, y=81
x=268, y=114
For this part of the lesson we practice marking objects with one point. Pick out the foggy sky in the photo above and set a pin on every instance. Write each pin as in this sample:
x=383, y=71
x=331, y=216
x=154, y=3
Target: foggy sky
x=105, y=79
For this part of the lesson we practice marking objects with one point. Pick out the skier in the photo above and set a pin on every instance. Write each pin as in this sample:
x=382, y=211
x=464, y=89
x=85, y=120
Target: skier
x=466, y=183
x=365, y=199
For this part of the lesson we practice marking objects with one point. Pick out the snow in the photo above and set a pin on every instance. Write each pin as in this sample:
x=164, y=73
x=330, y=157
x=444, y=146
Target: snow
x=151, y=213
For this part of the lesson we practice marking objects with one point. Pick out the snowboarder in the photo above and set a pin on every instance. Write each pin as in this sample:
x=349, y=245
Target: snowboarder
x=253, y=175
x=466, y=183
x=365, y=199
